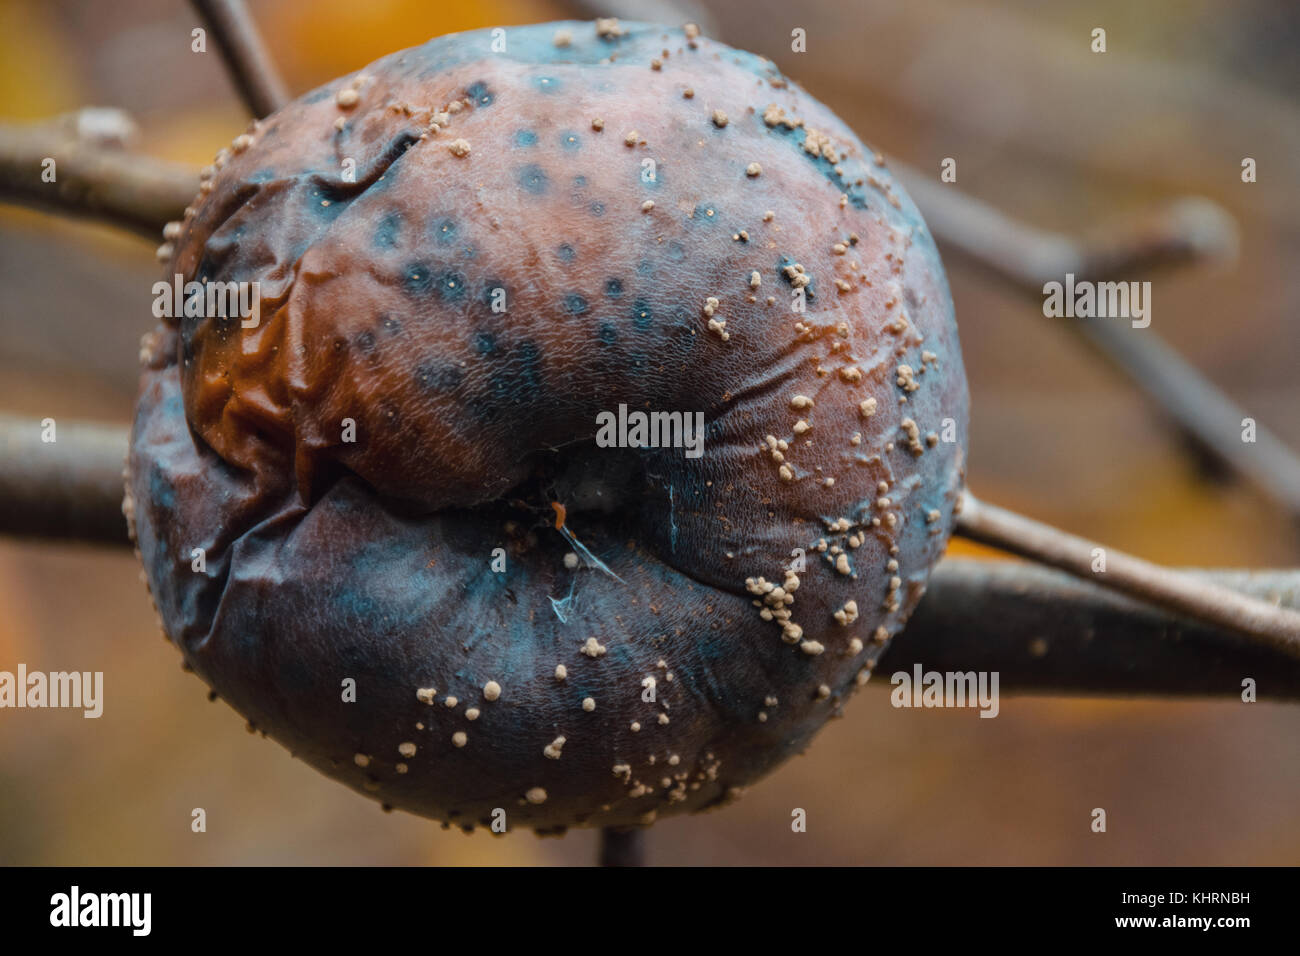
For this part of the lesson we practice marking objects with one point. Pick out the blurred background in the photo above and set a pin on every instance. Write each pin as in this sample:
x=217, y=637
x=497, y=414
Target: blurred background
x=1041, y=128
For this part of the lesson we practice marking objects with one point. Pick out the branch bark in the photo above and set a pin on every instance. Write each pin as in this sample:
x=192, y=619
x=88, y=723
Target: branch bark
x=251, y=67
x=1047, y=633
x=622, y=847
x=67, y=489
x=1182, y=232
x=1201, y=600
x=93, y=178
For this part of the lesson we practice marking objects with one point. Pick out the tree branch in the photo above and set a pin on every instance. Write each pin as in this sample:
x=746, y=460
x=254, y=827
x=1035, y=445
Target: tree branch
x=1047, y=633
x=96, y=177
x=1182, y=232
x=93, y=176
x=1202, y=412
x=622, y=847
x=1198, y=599
x=250, y=66
x=70, y=488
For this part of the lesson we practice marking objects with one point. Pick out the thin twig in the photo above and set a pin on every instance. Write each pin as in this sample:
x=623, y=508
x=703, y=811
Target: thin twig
x=1046, y=632
x=250, y=66
x=68, y=488
x=1202, y=412
x=91, y=177
x=1184, y=231
x=1112, y=568
x=622, y=846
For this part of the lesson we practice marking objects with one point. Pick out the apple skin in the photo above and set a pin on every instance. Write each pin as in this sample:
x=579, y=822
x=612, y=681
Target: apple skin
x=578, y=233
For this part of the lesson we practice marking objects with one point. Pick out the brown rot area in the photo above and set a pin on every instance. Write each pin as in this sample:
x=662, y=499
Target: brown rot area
x=603, y=419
